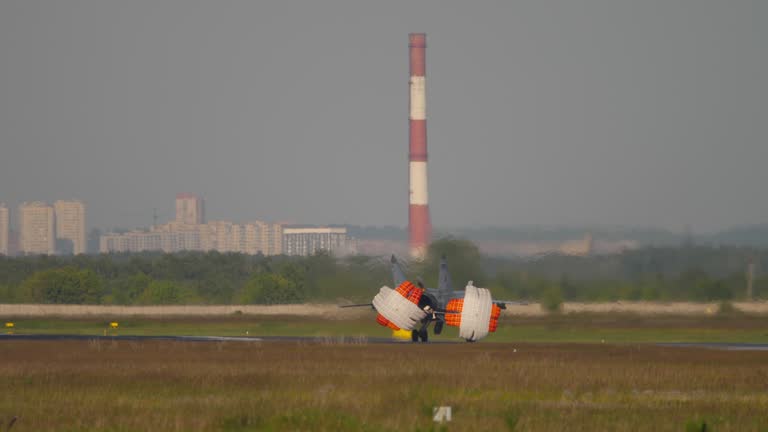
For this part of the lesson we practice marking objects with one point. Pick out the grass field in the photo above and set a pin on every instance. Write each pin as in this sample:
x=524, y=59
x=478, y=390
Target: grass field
x=234, y=386
x=576, y=372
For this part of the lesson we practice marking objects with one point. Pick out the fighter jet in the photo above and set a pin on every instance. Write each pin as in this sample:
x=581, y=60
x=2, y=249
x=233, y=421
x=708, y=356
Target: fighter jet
x=413, y=308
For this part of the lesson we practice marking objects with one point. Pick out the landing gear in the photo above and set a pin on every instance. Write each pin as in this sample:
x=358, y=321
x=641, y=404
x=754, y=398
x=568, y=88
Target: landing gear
x=439, y=327
x=421, y=335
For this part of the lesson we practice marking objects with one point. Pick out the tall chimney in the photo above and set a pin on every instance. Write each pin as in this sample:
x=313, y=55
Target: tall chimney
x=420, y=229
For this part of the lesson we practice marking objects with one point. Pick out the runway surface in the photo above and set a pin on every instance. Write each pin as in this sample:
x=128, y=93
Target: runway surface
x=305, y=339
x=329, y=340
x=718, y=345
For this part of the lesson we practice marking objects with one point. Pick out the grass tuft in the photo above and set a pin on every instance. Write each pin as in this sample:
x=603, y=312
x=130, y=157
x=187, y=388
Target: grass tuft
x=511, y=419
x=698, y=426
x=242, y=423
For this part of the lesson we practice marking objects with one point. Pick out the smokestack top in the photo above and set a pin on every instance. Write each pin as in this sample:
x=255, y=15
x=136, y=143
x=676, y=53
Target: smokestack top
x=418, y=40
x=418, y=48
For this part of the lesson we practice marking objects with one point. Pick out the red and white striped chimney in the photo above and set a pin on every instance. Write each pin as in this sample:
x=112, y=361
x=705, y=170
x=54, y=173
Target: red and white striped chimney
x=420, y=229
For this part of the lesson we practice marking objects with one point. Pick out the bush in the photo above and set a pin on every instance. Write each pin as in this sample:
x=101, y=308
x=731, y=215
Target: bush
x=552, y=299
x=271, y=288
x=66, y=285
x=726, y=308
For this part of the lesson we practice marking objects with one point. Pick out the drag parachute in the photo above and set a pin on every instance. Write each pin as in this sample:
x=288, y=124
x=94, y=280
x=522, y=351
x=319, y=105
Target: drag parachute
x=399, y=308
x=476, y=315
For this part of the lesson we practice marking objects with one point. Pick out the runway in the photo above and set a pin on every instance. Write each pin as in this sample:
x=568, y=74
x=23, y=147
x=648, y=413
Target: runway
x=350, y=340
x=727, y=346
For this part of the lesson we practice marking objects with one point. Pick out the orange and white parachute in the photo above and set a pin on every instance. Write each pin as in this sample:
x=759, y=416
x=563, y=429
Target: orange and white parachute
x=476, y=315
x=399, y=308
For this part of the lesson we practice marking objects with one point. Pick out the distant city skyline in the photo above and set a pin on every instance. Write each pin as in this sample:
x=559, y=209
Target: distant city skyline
x=190, y=231
x=13, y=223
x=554, y=113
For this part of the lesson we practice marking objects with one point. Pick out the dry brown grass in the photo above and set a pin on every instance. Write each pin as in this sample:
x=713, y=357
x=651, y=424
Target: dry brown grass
x=174, y=386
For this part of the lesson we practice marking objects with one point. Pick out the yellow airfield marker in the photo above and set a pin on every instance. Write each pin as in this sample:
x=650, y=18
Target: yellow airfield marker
x=112, y=325
x=9, y=325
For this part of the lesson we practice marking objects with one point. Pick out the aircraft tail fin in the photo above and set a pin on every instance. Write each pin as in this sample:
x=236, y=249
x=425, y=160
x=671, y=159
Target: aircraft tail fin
x=444, y=284
x=398, y=276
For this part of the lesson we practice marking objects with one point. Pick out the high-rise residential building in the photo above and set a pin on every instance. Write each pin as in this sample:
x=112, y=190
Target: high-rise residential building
x=218, y=236
x=36, y=229
x=70, y=224
x=190, y=232
x=308, y=241
x=269, y=237
x=190, y=209
x=13, y=243
x=5, y=229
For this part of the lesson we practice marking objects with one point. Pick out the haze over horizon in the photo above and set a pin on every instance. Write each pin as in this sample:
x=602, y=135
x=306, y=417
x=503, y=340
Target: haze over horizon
x=538, y=112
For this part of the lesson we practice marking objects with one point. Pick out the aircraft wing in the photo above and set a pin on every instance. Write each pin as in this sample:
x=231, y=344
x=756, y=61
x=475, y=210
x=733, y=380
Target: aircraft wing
x=511, y=302
x=357, y=305
x=501, y=303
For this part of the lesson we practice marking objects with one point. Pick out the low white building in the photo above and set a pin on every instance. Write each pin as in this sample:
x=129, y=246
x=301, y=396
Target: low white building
x=308, y=241
x=222, y=236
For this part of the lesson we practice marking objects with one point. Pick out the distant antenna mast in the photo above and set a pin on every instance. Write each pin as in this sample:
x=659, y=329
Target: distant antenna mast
x=154, y=217
x=750, y=277
x=687, y=236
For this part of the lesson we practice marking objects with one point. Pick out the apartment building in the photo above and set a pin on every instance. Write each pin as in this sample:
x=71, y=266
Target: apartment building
x=5, y=229
x=36, y=229
x=70, y=224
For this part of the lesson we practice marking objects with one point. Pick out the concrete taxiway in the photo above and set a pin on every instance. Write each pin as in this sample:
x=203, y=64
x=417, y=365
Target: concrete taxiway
x=728, y=346
x=305, y=339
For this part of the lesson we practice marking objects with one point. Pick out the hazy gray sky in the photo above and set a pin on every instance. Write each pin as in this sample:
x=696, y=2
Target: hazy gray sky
x=647, y=112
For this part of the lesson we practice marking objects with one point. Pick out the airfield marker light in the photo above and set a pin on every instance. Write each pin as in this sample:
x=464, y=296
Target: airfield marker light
x=9, y=325
x=114, y=324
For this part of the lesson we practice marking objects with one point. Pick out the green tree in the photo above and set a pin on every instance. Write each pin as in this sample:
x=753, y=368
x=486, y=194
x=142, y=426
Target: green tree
x=271, y=288
x=464, y=262
x=162, y=293
x=552, y=298
x=66, y=285
x=127, y=290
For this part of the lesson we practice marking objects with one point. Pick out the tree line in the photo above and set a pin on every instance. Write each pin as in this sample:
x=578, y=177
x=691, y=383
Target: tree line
x=668, y=274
